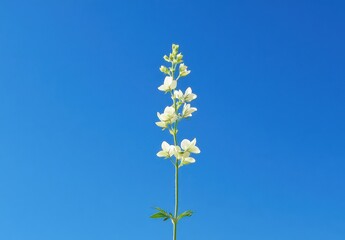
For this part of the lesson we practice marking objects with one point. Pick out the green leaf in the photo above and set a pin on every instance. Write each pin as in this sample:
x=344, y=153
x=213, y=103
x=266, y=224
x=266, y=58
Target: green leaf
x=158, y=215
x=161, y=210
x=162, y=214
x=187, y=213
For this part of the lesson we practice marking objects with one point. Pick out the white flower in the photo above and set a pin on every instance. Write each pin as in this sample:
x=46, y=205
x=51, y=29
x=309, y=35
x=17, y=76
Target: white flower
x=178, y=94
x=183, y=156
x=187, y=110
x=183, y=70
x=189, y=146
x=168, y=85
x=187, y=160
x=168, y=115
x=167, y=150
x=189, y=96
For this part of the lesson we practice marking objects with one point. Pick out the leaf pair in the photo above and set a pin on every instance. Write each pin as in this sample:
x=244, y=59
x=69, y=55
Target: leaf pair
x=163, y=214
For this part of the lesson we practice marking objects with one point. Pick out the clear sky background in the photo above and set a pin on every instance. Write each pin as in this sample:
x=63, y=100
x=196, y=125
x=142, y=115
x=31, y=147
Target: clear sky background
x=78, y=101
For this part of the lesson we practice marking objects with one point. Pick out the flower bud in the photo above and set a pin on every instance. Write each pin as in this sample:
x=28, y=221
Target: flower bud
x=171, y=57
x=164, y=69
x=175, y=48
x=185, y=73
x=182, y=67
x=179, y=58
x=166, y=58
x=183, y=70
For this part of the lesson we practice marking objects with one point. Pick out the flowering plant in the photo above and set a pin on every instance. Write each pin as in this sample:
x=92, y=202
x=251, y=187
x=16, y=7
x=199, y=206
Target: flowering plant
x=178, y=154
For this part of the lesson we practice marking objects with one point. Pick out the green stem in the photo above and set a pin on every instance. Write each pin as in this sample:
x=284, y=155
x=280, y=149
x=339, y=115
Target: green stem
x=176, y=182
x=176, y=201
x=176, y=163
x=174, y=231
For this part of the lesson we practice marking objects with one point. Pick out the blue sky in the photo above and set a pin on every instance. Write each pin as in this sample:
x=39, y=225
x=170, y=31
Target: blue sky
x=78, y=97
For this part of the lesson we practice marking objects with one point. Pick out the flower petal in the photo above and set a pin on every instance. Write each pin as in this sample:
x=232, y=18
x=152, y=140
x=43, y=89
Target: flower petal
x=161, y=124
x=161, y=154
x=194, y=149
x=185, y=144
x=167, y=81
x=173, y=84
x=165, y=146
x=188, y=91
x=188, y=160
x=162, y=88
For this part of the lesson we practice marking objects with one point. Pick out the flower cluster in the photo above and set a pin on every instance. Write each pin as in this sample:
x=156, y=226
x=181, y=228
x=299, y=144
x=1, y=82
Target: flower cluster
x=181, y=153
x=180, y=109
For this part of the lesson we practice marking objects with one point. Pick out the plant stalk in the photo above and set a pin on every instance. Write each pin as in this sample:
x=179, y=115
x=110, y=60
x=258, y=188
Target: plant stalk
x=176, y=180
x=176, y=166
x=176, y=201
